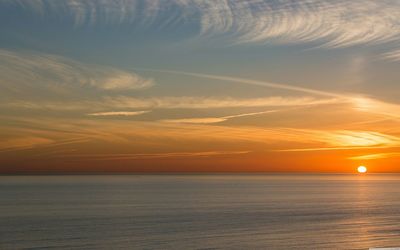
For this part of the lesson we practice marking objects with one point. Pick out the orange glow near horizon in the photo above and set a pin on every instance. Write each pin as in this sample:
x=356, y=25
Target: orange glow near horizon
x=129, y=146
x=114, y=145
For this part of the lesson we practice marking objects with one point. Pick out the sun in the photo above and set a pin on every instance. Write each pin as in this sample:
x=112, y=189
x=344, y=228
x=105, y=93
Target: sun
x=362, y=169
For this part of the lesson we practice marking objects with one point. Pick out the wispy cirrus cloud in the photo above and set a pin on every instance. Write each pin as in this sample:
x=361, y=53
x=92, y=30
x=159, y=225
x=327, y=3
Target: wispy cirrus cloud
x=359, y=138
x=364, y=104
x=376, y=156
x=328, y=23
x=35, y=141
x=119, y=113
x=57, y=133
x=193, y=102
x=346, y=140
x=48, y=74
x=25, y=142
x=359, y=102
x=393, y=55
x=332, y=23
x=210, y=120
x=109, y=157
x=252, y=82
x=24, y=70
x=173, y=102
x=76, y=135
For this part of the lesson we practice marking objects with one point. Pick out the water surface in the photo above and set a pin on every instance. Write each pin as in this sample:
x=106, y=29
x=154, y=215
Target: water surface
x=200, y=212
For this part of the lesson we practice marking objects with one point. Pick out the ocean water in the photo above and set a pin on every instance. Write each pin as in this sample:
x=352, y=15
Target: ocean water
x=200, y=212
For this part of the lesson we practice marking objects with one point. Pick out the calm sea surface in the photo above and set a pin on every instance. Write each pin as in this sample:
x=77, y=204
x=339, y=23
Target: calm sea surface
x=200, y=212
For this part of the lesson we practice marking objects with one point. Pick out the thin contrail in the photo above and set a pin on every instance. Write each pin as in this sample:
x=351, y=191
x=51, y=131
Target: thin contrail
x=249, y=81
x=346, y=98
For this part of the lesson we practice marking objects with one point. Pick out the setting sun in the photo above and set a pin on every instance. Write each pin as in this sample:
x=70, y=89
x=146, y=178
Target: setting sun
x=362, y=169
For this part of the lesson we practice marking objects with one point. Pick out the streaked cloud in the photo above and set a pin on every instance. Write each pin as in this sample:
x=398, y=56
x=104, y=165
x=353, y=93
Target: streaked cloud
x=129, y=132
x=205, y=120
x=109, y=157
x=24, y=70
x=253, y=82
x=393, y=55
x=23, y=142
x=39, y=139
x=174, y=102
x=375, y=106
x=328, y=23
x=346, y=140
x=214, y=102
x=376, y=156
x=119, y=113
x=331, y=23
x=54, y=74
x=361, y=103
x=359, y=139
x=209, y=120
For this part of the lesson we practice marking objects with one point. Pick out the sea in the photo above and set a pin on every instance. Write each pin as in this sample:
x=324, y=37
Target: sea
x=200, y=211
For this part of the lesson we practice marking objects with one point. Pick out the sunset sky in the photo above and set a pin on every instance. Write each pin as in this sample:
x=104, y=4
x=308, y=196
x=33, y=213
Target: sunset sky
x=199, y=85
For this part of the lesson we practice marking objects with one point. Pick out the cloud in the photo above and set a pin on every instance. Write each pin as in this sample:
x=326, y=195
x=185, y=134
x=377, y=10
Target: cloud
x=205, y=120
x=126, y=134
x=173, y=102
x=359, y=139
x=119, y=80
x=365, y=104
x=119, y=113
x=39, y=139
x=376, y=156
x=26, y=142
x=22, y=70
x=332, y=24
x=361, y=103
x=392, y=56
x=252, y=82
x=210, y=120
x=109, y=157
x=191, y=102
x=346, y=139
x=41, y=74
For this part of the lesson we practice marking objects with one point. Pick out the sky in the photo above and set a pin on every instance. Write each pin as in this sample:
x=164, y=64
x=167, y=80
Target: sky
x=199, y=86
